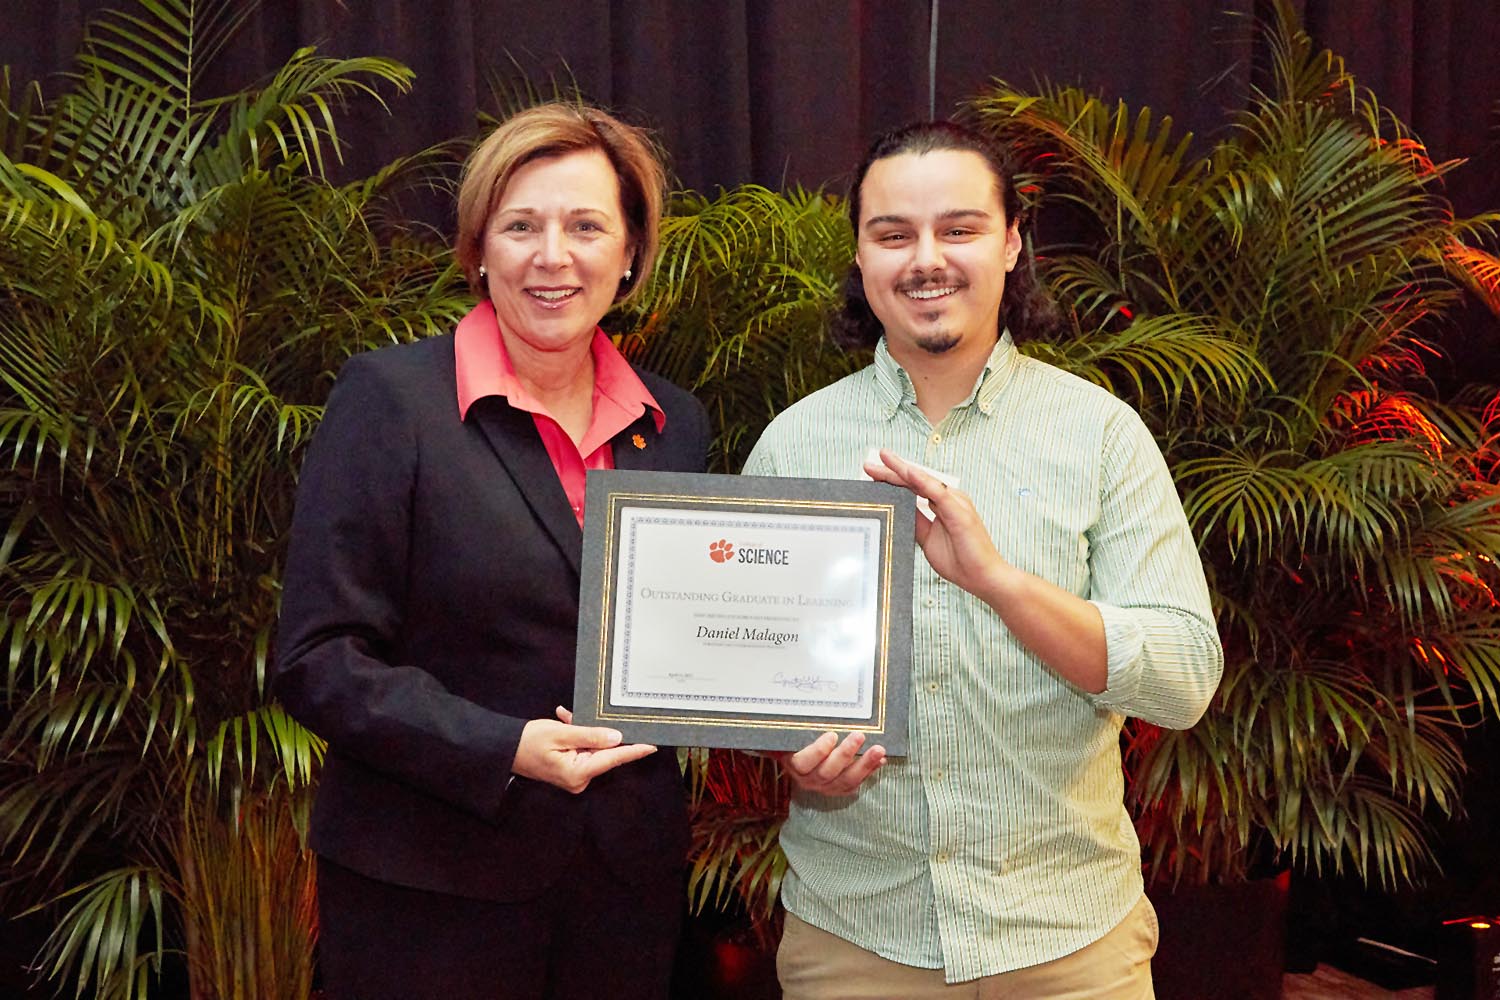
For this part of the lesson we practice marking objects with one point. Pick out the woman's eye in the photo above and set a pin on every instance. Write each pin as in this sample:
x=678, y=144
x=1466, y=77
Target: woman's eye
x=518, y=226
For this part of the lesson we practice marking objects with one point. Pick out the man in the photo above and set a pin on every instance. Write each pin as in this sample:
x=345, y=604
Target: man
x=1059, y=590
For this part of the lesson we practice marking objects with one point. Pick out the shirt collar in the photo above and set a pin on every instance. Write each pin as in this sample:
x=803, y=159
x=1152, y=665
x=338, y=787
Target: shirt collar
x=483, y=368
x=896, y=387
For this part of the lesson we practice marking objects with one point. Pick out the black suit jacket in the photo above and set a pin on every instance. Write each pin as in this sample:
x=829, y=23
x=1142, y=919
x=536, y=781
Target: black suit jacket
x=429, y=611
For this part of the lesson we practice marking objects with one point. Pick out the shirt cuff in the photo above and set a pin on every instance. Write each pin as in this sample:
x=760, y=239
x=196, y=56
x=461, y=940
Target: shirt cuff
x=1124, y=645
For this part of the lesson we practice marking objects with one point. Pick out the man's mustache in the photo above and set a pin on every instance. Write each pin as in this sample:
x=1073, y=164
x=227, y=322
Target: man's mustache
x=934, y=281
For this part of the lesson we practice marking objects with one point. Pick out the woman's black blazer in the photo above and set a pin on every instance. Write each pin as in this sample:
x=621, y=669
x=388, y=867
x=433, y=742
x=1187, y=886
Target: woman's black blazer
x=429, y=610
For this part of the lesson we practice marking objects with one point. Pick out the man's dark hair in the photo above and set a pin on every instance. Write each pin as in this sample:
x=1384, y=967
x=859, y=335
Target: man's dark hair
x=1025, y=309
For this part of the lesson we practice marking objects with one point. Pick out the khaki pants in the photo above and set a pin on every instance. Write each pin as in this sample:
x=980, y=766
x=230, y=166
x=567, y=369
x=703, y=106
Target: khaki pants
x=816, y=965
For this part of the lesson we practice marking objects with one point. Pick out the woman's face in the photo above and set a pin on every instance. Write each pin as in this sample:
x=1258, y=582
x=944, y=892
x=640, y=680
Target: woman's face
x=556, y=248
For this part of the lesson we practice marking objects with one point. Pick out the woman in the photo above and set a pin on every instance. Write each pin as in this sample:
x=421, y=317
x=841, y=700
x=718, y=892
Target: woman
x=471, y=844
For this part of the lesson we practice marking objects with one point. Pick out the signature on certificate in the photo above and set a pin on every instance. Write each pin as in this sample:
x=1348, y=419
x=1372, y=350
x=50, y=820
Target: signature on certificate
x=805, y=682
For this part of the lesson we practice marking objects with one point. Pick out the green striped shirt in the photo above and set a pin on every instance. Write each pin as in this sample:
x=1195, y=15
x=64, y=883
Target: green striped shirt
x=1002, y=840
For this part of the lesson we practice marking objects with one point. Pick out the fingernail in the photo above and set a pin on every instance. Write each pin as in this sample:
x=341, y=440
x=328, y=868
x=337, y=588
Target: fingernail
x=614, y=734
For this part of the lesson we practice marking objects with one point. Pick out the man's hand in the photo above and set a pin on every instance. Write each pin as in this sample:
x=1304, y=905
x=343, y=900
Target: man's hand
x=956, y=543
x=829, y=767
x=570, y=756
x=1065, y=631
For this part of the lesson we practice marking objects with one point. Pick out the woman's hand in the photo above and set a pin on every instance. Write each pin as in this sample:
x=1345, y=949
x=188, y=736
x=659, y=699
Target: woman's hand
x=570, y=756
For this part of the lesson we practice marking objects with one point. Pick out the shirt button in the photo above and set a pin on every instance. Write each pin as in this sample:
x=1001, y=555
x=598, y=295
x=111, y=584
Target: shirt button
x=942, y=857
x=933, y=686
x=936, y=438
x=931, y=602
x=938, y=774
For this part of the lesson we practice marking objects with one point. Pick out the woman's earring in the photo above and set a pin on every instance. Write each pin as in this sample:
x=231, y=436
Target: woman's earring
x=483, y=274
x=628, y=273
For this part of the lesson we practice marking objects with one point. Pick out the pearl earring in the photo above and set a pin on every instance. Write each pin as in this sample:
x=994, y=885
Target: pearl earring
x=628, y=273
x=483, y=274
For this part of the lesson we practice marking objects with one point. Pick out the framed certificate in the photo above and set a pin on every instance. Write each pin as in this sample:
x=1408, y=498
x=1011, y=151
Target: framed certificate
x=743, y=611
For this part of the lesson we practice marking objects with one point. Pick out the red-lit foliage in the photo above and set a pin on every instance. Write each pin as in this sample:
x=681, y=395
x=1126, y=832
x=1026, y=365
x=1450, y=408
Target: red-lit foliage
x=1270, y=308
x=738, y=803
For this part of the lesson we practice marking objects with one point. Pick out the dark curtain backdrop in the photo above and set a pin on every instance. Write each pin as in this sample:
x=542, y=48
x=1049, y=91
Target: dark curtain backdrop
x=791, y=91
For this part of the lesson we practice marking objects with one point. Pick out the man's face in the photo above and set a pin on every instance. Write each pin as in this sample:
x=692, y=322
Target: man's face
x=934, y=247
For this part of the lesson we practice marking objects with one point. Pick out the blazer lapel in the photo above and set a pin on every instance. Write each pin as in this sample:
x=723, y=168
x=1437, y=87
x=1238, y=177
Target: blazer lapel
x=512, y=434
x=637, y=447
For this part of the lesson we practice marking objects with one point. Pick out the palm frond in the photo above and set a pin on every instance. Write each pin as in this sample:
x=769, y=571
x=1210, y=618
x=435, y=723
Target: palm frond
x=1162, y=361
x=1479, y=271
x=96, y=943
x=292, y=117
x=295, y=752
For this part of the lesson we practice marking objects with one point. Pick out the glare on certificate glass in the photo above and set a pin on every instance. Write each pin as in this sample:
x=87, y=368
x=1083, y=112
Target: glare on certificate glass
x=846, y=569
x=848, y=645
x=845, y=648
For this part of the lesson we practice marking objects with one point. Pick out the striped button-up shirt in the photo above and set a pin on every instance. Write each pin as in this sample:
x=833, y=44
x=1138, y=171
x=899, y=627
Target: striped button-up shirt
x=1002, y=840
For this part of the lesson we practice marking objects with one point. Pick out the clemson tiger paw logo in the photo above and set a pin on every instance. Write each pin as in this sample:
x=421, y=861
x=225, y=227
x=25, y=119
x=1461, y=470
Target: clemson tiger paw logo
x=721, y=551
x=638, y=441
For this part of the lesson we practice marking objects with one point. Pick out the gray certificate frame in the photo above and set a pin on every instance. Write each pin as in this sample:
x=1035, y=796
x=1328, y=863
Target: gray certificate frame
x=609, y=492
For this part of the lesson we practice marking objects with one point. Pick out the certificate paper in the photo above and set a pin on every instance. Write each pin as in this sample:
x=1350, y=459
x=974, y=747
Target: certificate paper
x=783, y=609
x=746, y=612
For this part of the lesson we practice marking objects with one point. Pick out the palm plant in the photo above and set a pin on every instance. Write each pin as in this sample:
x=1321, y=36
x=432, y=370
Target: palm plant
x=1269, y=307
x=739, y=802
x=179, y=280
x=736, y=308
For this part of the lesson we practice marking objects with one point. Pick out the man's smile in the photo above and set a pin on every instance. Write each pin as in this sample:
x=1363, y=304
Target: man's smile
x=931, y=293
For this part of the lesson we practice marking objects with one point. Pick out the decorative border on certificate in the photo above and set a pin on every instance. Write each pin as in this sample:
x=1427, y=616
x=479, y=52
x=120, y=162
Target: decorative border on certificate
x=741, y=611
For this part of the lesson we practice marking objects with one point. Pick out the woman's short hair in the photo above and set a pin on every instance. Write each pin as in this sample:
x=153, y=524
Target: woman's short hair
x=557, y=129
x=1025, y=308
